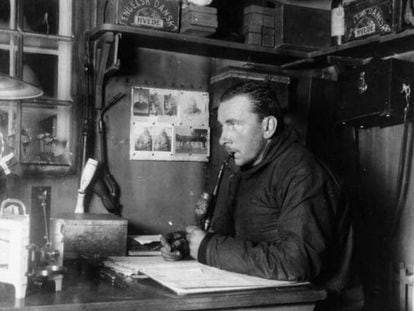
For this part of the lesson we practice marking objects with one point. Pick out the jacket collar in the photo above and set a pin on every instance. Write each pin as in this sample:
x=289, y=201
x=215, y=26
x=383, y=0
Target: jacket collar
x=277, y=145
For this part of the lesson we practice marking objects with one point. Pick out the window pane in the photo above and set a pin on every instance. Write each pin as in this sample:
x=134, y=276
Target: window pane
x=8, y=114
x=45, y=134
x=41, y=70
x=4, y=13
x=41, y=16
x=4, y=61
x=40, y=42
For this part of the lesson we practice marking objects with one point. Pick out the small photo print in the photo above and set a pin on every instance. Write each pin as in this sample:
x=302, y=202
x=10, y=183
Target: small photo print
x=156, y=104
x=170, y=105
x=193, y=109
x=191, y=140
x=162, y=137
x=140, y=102
x=143, y=138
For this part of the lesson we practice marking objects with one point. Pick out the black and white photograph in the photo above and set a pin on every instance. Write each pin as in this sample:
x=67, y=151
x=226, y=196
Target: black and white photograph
x=140, y=102
x=168, y=155
x=163, y=134
x=143, y=139
x=191, y=140
x=170, y=105
x=162, y=137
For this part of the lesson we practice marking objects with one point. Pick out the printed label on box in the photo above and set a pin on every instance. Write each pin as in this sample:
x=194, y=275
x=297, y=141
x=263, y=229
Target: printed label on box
x=362, y=22
x=156, y=14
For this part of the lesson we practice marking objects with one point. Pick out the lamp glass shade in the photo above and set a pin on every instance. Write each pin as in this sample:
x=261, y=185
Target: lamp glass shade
x=15, y=89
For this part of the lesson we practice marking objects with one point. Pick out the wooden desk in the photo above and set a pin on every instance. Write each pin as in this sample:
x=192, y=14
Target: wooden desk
x=83, y=290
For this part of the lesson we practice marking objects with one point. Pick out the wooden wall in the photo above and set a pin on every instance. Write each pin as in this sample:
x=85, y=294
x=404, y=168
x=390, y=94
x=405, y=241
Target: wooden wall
x=157, y=196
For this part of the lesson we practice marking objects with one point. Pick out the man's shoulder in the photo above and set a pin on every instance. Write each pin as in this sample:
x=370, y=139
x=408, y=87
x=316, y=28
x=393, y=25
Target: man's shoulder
x=300, y=161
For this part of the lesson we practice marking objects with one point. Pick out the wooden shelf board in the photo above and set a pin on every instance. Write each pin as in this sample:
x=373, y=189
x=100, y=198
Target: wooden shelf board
x=176, y=42
x=379, y=45
x=292, y=57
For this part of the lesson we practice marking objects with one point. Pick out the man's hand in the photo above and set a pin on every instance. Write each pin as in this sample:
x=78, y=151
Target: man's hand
x=174, y=246
x=194, y=237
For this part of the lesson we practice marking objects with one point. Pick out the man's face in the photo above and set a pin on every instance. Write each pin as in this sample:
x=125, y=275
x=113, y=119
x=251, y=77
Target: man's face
x=242, y=132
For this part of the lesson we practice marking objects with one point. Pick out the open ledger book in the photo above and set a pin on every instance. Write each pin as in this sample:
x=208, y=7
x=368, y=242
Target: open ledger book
x=189, y=276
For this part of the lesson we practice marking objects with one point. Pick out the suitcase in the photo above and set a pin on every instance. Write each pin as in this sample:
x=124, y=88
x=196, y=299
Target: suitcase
x=374, y=94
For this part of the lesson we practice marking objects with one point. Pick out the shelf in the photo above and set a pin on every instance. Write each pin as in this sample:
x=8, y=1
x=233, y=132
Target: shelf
x=380, y=46
x=188, y=44
x=287, y=57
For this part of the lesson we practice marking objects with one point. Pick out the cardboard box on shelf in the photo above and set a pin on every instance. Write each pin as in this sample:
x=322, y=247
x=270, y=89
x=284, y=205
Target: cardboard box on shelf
x=198, y=20
x=154, y=14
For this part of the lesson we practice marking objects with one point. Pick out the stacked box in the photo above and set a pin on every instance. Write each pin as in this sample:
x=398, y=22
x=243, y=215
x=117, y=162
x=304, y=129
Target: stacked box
x=154, y=14
x=198, y=20
x=259, y=25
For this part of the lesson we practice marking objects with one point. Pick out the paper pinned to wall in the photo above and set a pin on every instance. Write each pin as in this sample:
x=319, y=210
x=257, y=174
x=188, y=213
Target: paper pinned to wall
x=169, y=125
x=191, y=277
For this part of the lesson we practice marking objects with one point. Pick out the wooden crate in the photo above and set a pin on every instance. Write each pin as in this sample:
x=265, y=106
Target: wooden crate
x=198, y=20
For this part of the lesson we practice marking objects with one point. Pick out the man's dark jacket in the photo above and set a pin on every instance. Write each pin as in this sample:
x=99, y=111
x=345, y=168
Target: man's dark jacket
x=286, y=219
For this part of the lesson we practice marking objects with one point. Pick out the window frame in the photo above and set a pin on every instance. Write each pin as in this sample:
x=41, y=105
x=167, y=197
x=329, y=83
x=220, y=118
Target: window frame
x=21, y=43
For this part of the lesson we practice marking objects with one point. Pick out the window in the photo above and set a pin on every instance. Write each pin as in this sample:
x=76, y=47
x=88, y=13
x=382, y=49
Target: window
x=36, y=45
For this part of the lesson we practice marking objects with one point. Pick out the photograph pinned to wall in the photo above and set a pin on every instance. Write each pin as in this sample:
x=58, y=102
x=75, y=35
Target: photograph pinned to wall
x=166, y=105
x=192, y=142
x=170, y=105
x=193, y=108
x=140, y=102
x=156, y=104
x=162, y=139
x=151, y=142
x=142, y=138
x=169, y=125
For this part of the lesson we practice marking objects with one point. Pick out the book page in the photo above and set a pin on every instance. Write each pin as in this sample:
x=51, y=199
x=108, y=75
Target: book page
x=190, y=276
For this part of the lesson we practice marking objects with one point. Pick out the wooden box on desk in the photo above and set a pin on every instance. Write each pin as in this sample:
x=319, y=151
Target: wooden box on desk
x=302, y=27
x=90, y=234
x=154, y=14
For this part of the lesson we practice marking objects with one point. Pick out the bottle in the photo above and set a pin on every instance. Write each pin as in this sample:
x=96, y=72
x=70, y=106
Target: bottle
x=337, y=22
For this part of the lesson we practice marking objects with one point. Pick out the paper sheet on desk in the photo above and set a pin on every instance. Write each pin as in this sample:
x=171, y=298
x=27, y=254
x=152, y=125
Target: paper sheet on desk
x=190, y=277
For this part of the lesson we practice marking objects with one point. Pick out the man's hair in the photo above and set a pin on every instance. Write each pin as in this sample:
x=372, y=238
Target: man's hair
x=262, y=96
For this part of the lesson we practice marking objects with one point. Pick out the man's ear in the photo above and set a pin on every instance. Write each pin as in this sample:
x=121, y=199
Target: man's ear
x=269, y=125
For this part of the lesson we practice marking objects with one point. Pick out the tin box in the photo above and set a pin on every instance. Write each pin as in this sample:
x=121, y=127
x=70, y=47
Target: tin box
x=154, y=14
x=198, y=20
x=90, y=234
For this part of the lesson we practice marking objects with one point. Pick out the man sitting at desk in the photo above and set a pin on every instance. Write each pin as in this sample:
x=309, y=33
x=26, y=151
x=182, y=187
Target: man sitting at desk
x=286, y=216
